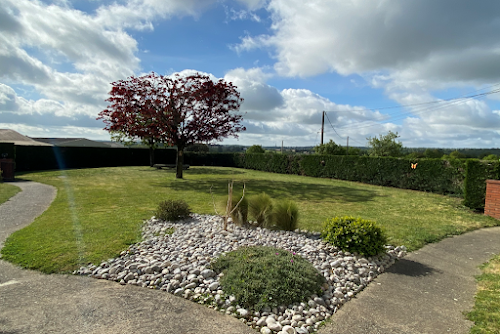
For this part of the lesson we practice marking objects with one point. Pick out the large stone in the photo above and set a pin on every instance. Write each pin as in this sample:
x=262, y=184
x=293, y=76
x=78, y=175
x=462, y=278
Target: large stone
x=288, y=329
x=265, y=330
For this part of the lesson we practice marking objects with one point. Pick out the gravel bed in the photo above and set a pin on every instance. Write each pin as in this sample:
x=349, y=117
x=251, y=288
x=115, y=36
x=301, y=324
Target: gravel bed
x=174, y=257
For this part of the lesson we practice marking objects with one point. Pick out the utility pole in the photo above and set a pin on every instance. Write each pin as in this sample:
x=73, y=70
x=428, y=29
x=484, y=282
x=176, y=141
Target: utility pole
x=282, y=147
x=347, y=150
x=322, y=126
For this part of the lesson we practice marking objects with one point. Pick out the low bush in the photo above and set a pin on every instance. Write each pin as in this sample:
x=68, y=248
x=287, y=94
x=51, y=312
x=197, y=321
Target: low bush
x=266, y=276
x=355, y=235
x=260, y=208
x=286, y=215
x=173, y=210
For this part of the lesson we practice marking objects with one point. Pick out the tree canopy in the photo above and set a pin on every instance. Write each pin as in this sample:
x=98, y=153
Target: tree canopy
x=385, y=146
x=333, y=149
x=255, y=149
x=178, y=111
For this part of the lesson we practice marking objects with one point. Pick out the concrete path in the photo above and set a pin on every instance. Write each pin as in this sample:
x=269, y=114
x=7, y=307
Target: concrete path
x=31, y=302
x=426, y=292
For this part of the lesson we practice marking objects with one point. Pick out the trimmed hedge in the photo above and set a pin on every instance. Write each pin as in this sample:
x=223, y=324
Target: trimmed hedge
x=47, y=157
x=433, y=175
x=475, y=183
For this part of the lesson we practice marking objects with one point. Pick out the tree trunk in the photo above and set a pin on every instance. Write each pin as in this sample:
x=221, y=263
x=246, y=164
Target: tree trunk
x=180, y=162
x=151, y=156
x=151, y=152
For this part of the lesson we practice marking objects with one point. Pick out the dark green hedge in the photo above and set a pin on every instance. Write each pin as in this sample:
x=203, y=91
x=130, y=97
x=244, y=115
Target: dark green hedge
x=433, y=175
x=212, y=159
x=475, y=183
x=46, y=157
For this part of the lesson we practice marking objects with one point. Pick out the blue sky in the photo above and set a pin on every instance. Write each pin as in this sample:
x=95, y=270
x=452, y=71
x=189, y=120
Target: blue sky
x=290, y=60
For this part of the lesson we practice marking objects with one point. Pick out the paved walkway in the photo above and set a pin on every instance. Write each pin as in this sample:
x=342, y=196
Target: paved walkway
x=425, y=293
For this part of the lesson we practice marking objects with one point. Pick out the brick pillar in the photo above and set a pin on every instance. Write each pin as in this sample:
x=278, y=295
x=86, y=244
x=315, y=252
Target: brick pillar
x=492, y=201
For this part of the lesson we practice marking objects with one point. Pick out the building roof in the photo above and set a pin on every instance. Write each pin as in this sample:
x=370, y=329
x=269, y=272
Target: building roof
x=11, y=136
x=73, y=142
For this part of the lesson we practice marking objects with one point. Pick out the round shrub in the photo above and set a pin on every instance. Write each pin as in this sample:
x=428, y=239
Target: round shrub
x=260, y=208
x=286, y=215
x=262, y=276
x=354, y=235
x=172, y=210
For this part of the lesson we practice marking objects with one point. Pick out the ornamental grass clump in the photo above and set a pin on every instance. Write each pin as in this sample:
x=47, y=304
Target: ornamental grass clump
x=262, y=276
x=240, y=215
x=173, y=210
x=260, y=208
x=355, y=235
x=286, y=215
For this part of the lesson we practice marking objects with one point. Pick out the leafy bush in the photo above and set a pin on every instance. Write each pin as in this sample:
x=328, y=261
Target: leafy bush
x=266, y=276
x=260, y=208
x=172, y=210
x=354, y=235
x=286, y=215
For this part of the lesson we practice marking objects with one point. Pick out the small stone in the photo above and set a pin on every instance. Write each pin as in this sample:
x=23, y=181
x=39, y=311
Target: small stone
x=288, y=330
x=213, y=286
x=242, y=312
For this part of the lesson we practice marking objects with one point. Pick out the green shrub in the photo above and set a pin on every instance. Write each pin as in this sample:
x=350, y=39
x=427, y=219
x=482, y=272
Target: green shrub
x=266, y=276
x=172, y=210
x=286, y=215
x=260, y=208
x=354, y=235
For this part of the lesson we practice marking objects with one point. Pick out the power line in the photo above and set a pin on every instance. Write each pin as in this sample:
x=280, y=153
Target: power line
x=418, y=111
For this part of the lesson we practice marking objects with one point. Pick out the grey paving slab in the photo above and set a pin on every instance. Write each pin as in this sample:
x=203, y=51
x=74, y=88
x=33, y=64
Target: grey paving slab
x=427, y=292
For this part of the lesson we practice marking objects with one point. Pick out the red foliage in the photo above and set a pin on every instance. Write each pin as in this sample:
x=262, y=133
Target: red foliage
x=179, y=111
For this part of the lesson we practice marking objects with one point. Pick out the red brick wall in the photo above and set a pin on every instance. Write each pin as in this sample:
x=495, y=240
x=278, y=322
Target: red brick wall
x=492, y=203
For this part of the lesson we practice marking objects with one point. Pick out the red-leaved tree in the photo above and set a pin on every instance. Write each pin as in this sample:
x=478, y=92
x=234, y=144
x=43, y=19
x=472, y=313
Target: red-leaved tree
x=179, y=111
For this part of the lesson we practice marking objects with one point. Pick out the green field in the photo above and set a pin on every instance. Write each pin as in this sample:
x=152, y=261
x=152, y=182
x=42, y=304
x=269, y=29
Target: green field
x=98, y=212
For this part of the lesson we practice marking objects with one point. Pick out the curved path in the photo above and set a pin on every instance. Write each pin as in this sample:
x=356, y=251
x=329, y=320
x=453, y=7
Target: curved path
x=31, y=302
x=426, y=292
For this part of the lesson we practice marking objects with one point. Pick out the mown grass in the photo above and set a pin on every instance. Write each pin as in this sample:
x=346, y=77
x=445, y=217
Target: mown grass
x=98, y=212
x=7, y=191
x=486, y=314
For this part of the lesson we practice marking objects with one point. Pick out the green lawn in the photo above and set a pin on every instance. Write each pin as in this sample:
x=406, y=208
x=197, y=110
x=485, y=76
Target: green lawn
x=98, y=212
x=7, y=191
x=486, y=312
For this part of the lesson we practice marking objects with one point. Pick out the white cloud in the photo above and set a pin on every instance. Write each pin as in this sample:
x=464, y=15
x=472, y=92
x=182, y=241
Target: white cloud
x=415, y=39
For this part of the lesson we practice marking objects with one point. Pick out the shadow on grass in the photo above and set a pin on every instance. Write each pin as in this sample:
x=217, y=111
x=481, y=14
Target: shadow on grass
x=196, y=171
x=412, y=268
x=276, y=189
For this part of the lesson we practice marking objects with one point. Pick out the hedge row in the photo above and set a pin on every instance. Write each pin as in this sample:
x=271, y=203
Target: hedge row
x=47, y=157
x=475, y=183
x=433, y=175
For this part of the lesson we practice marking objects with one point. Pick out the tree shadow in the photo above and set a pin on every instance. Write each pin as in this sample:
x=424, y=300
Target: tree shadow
x=212, y=171
x=276, y=189
x=196, y=171
x=412, y=268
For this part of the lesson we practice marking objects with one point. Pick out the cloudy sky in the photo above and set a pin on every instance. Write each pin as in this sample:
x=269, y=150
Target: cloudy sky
x=428, y=69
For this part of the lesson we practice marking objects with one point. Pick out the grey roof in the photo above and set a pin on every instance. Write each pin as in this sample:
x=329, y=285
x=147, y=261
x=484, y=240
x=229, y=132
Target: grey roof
x=73, y=142
x=11, y=136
